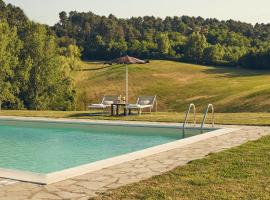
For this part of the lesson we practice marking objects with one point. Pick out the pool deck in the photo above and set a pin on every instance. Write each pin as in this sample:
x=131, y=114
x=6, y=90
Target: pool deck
x=89, y=185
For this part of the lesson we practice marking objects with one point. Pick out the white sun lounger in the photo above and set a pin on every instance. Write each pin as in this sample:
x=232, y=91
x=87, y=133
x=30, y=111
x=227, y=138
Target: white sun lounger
x=106, y=102
x=142, y=103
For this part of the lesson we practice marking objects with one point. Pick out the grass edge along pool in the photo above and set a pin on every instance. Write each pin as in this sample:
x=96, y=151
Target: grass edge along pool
x=47, y=178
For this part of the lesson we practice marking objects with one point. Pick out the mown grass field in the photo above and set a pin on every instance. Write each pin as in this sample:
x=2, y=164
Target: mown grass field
x=177, y=85
x=240, y=96
x=238, y=173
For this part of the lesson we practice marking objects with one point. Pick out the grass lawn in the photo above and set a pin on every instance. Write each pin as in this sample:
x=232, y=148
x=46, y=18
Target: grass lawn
x=177, y=85
x=238, y=173
x=220, y=118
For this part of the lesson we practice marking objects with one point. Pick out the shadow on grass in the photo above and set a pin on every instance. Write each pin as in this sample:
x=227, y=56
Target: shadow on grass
x=234, y=72
x=101, y=114
x=95, y=69
x=103, y=67
x=78, y=115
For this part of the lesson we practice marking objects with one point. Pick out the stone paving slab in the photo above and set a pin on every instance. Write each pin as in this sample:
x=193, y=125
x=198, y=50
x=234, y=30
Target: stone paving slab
x=4, y=182
x=88, y=185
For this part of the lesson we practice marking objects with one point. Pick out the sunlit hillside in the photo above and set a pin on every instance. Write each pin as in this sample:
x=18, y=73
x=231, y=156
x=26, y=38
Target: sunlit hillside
x=177, y=84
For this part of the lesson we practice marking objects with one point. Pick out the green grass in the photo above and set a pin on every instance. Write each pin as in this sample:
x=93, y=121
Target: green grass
x=178, y=84
x=220, y=118
x=238, y=173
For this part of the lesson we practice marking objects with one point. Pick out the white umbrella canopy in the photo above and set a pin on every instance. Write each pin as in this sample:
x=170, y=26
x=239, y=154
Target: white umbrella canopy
x=127, y=60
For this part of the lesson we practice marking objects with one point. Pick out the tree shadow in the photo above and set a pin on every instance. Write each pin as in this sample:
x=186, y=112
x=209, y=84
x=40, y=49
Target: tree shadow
x=234, y=72
x=95, y=69
x=105, y=66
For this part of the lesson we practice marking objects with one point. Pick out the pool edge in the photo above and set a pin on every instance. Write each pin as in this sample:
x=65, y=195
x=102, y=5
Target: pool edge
x=24, y=176
x=98, y=165
x=98, y=122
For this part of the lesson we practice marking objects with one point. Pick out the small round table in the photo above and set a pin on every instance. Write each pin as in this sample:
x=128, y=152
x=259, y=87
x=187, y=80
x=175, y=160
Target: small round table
x=117, y=106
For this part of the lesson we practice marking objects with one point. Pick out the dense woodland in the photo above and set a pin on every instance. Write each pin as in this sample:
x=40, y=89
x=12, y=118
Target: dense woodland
x=34, y=68
x=189, y=39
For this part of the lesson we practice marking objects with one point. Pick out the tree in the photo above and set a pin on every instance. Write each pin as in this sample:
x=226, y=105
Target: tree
x=149, y=49
x=2, y=5
x=9, y=59
x=63, y=18
x=178, y=42
x=33, y=74
x=214, y=54
x=117, y=48
x=259, y=59
x=48, y=85
x=233, y=54
x=163, y=43
x=71, y=57
x=97, y=48
x=14, y=16
x=195, y=47
x=134, y=48
x=236, y=39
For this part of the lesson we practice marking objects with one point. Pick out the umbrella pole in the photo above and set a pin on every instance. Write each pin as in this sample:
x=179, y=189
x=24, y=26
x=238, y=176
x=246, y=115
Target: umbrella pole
x=126, y=89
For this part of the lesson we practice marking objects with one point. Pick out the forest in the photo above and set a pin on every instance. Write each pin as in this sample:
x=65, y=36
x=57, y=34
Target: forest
x=35, y=68
x=187, y=39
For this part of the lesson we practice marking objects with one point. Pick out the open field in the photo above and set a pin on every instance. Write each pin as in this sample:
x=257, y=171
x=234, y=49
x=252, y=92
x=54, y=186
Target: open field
x=220, y=118
x=238, y=173
x=177, y=85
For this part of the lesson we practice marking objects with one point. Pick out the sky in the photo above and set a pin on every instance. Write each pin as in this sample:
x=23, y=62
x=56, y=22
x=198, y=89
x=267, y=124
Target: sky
x=47, y=11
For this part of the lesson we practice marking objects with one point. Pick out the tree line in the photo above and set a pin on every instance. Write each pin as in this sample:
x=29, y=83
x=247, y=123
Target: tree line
x=189, y=39
x=34, y=66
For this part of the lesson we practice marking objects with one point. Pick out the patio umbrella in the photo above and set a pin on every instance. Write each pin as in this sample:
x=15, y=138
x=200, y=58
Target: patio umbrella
x=127, y=60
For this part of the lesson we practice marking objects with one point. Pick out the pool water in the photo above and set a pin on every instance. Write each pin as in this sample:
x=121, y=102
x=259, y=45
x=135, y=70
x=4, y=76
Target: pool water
x=45, y=147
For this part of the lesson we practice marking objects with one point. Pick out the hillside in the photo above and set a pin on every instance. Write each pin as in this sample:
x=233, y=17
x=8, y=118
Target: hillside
x=177, y=85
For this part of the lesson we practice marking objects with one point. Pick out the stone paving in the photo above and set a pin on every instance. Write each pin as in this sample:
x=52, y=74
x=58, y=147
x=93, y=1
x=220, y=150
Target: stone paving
x=4, y=182
x=89, y=185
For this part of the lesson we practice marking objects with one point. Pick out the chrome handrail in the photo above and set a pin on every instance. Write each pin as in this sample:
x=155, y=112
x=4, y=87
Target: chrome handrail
x=187, y=114
x=205, y=115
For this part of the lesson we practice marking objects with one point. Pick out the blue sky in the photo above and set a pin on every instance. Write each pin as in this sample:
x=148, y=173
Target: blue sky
x=46, y=11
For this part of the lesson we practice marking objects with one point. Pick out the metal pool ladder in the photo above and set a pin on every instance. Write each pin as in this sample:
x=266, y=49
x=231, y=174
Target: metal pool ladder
x=187, y=114
x=205, y=115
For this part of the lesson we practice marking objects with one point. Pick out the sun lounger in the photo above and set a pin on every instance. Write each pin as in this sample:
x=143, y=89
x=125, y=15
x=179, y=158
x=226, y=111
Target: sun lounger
x=106, y=102
x=143, y=102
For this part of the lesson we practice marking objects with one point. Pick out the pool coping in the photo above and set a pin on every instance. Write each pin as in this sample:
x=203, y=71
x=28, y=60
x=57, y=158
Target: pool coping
x=98, y=165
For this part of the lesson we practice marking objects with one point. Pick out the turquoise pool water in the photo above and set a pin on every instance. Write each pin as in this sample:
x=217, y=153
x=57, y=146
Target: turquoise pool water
x=45, y=147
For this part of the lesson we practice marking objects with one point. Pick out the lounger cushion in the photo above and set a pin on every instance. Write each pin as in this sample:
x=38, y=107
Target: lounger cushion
x=132, y=105
x=137, y=106
x=97, y=106
x=108, y=102
x=144, y=102
x=145, y=106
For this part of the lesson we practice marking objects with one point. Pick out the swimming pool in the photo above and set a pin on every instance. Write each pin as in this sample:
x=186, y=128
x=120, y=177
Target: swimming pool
x=44, y=148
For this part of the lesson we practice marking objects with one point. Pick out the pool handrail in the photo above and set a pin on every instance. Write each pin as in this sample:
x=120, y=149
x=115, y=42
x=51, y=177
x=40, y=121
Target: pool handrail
x=205, y=115
x=192, y=105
